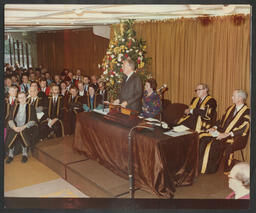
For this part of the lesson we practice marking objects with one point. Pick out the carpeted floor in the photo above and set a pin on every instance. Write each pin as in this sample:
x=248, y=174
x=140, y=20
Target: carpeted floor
x=18, y=175
x=54, y=188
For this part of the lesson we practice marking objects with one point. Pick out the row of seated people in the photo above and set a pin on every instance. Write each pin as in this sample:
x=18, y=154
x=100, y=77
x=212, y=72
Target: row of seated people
x=33, y=117
x=217, y=138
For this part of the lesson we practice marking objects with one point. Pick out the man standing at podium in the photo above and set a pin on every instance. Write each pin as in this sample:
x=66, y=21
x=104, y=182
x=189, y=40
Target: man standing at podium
x=131, y=88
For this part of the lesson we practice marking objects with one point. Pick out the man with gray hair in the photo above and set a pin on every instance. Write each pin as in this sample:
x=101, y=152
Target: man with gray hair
x=239, y=181
x=22, y=119
x=228, y=135
x=201, y=113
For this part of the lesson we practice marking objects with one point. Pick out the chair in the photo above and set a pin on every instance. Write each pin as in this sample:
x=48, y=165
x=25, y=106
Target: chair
x=172, y=112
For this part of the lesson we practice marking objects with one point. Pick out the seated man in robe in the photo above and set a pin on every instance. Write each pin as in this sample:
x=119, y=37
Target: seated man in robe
x=53, y=123
x=73, y=106
x=22, y=119
x=91, y=100
x=201, y=113
x=40, y=105
x=227, y=136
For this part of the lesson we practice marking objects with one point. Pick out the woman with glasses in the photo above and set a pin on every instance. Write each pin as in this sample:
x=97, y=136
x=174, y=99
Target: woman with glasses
x=239, y=181
x=201, y=113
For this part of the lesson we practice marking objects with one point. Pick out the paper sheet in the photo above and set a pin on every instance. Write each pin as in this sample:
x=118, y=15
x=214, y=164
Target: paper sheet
x=176, y=134
x=180, y=128
x=100, y=111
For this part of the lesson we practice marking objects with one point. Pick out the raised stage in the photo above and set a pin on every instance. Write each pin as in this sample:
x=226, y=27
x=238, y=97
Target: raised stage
x=86, y=175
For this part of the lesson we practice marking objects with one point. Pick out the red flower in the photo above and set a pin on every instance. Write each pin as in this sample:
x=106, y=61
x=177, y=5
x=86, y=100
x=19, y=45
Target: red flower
x=138, y=61
x=130, y=43
x=126, y=55
x=121, y=70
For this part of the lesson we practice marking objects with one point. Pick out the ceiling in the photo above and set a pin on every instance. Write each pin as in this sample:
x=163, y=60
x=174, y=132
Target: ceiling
x=45, y=17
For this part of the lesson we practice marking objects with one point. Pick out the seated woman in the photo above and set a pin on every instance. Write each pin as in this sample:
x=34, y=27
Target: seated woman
x=91, y=100
x=239, y=181
x=151, y=102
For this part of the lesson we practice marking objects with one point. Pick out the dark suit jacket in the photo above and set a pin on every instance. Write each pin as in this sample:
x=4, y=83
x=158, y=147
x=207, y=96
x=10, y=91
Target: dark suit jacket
x=131, y=91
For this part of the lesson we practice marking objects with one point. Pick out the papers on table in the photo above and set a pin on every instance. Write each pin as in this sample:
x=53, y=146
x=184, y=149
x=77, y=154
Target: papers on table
x=176, y=134
x=39, y=115
x=180, y=128
x=152, y=119
x=214, y=133
x=100, y=111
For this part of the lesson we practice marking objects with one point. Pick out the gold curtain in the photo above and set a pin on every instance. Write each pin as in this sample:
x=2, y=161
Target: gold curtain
x=187, y=51
x=71, y=49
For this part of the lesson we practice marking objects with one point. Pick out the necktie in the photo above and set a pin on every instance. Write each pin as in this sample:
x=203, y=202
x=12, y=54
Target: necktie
x=12, y=102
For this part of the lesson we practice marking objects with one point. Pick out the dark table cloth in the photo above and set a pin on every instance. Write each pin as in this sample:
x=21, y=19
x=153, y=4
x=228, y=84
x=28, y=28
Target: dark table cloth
x=160, y=162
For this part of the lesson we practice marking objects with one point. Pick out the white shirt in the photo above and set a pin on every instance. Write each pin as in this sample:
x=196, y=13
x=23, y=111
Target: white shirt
x=54, y=99
x=81, y=93
x=238, y=108
x=43, y=89
x=128, y=76
x=10, y=99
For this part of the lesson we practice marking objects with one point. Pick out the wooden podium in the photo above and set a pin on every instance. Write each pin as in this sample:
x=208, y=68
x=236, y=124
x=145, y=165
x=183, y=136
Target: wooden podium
x=124, y=116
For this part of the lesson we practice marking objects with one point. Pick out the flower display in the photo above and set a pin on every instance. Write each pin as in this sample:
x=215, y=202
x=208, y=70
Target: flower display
x=123, y=45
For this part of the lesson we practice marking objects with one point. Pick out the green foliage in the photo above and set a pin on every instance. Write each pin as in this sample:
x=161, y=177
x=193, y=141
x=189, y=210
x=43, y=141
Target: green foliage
x=123, y=45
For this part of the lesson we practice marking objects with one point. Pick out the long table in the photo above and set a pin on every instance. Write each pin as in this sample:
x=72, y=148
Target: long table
x=161, y=162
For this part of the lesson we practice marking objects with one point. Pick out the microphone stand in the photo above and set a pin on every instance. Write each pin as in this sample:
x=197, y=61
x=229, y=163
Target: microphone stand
x=130, y=158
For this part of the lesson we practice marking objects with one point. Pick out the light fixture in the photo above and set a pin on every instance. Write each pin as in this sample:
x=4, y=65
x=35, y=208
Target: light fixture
x=78, y=12
x=229, y=8
x=194, y=6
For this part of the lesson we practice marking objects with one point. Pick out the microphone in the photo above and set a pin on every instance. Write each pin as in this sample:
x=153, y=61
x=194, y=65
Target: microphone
x=162, y=87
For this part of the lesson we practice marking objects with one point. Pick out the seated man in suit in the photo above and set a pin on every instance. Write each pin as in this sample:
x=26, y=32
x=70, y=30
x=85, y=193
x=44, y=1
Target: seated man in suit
x=25, y=84
x=72, y=105
x=10, y=101
x=44, y=89
x=53, y=123
x=102, y=90
x=81, y=90
x=229, y=135
x=201, y=113
x=22, y=119
x=92, y=100
x=131, y=89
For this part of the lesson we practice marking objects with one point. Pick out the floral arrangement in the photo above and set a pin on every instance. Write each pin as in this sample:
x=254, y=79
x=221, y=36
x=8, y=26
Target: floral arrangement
x=123, y=45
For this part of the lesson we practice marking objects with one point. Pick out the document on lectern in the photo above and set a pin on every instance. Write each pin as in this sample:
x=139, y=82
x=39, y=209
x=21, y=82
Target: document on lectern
x=176, y=134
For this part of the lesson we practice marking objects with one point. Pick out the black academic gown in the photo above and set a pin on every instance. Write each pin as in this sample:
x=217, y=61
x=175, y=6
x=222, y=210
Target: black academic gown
x=211, y=150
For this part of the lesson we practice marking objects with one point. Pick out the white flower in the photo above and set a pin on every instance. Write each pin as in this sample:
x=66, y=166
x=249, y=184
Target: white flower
x=106, y=65
x=127, y=51
x=140, y=53
x=131, y=49
x=119, y=59
x=112, y=45
x=118, y=64
x=107, y=79
x=123, y=39
x=105, y=72
x=111, y=76
x=112, y=56
x=99, y=65
x=133, y=40
x=136, y=51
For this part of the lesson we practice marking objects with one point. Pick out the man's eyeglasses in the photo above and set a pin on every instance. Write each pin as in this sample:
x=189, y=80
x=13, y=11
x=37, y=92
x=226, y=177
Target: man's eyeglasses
x=198, y=90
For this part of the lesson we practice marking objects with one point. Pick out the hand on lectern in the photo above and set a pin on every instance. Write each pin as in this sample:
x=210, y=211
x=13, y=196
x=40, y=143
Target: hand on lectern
x=116, y=102
x=124, y=104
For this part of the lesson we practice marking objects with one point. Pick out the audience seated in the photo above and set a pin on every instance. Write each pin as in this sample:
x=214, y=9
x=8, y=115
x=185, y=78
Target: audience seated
x=21, y=120
x=102, y=90
x=92, y=100
x=151, y=102
x=201, y=113
x=53, y=123
x=228, y=135
x=24, y=87
x=239, y=181
x=72, y=105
